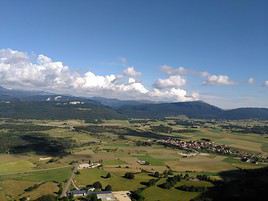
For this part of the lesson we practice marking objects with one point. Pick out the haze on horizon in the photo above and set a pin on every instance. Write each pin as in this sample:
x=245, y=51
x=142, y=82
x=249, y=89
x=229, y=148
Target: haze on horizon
x=214, y=51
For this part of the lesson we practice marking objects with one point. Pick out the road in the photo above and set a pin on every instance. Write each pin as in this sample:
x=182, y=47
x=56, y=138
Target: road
x=69, y=182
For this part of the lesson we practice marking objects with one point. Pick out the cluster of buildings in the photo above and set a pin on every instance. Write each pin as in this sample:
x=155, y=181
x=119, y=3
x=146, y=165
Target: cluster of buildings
x=201, y=145
x=211, y=147
x=103, y=195
x=88, y=165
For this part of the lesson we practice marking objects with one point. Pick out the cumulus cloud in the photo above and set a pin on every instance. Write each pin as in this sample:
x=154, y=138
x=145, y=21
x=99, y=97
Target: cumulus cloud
x=173, y=93
x=173, y=81
x=19, y=70
x=266, y=83
x=218, y=80
x=251, y=80
x=210, y=79
x=131, y=72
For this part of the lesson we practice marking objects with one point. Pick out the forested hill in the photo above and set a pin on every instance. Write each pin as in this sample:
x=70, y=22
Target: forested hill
x=195, y=109
x=42, y=105
x=56, y=110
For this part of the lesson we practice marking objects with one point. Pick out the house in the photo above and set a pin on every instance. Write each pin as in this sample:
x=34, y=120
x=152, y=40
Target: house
x=78, y=193
x=83, y=166
x=88, y=165
x=142, y=162
x=103, y=195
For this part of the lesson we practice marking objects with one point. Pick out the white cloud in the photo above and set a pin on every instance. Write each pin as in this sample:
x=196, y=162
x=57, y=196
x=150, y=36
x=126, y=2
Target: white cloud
x=266, y=83
x=131, y=72
x=251, y=80
x=173, y=81
x=19, y=70
x=173, y=71
x=204, y=74
x=172, y=94
x=218, y=80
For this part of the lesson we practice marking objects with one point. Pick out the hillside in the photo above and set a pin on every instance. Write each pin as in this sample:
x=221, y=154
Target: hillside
x=42, y=105
x=246, y=113
x=56, y=110
x=196, y=109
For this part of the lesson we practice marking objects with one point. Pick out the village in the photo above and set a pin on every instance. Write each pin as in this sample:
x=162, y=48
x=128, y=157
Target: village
x=194, y=147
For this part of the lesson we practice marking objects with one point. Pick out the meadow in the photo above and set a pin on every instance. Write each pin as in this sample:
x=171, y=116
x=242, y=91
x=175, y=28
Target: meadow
x=118, y=146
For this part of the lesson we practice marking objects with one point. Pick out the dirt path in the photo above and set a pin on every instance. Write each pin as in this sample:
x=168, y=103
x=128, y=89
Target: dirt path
x=69, y=182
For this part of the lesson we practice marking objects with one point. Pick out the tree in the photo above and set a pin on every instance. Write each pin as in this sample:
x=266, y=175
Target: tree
x=97, y=185
x=108, y=175
x=129, y=175
x=92, y=197
x=108, y=188
x=156, y=174
x=165, y=174
x=151, y=182
x=170, y=182
x=136, y=196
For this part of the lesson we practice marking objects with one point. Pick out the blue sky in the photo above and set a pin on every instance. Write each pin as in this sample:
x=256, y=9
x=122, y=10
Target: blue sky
x=228, y=38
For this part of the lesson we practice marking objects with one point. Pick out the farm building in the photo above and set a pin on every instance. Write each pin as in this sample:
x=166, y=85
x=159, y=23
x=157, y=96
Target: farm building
x=87, y=165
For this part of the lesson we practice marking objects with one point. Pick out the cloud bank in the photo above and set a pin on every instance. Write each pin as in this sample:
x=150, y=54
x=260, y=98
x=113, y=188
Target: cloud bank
x=19, y=70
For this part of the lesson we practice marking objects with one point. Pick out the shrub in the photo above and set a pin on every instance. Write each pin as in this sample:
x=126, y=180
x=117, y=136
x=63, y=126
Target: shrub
x=129, y=175
x=108, y=188
x=108, y=175
x=97, y=185
x=156, y=174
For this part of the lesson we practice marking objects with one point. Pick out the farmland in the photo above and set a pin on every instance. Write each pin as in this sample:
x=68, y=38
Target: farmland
x=39, y=159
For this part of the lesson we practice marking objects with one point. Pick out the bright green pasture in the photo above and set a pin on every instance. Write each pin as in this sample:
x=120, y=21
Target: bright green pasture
x=57, y=174
x=151, y=160
x=155, y=193
x=117, y=181
x=15, y=166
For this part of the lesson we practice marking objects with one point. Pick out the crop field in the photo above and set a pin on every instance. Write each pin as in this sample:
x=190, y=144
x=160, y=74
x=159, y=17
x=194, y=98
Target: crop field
x=117, y=181
x=42, y=155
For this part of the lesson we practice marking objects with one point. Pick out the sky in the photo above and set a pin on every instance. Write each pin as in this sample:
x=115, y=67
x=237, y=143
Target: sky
x=159, y=50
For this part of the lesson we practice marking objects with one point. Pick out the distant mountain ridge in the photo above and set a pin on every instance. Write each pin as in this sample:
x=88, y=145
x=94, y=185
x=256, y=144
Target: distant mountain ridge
x=42, y=105
x=115, y=103
x=194, y=109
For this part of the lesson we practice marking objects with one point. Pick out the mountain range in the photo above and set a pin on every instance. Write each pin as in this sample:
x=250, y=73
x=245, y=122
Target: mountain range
x=43, y=105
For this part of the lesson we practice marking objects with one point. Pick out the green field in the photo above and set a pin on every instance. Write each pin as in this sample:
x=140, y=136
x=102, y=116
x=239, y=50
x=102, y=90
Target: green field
x=117, y=181
x=15, y=166
x=117, y=155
